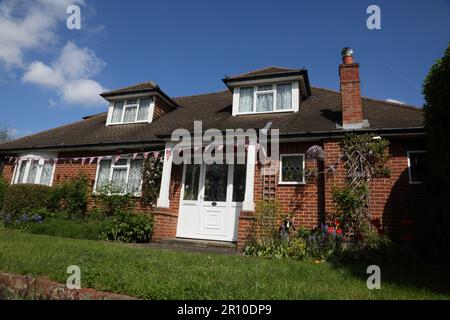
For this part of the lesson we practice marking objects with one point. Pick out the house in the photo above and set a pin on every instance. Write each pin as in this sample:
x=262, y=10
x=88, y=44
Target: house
x=217, y=202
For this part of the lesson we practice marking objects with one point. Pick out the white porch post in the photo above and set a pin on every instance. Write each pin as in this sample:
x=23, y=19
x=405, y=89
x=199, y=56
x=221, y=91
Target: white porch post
x=163, y=199
x=249, y=204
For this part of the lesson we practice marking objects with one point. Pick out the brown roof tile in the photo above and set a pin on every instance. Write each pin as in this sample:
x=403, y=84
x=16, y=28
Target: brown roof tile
x=318, y=113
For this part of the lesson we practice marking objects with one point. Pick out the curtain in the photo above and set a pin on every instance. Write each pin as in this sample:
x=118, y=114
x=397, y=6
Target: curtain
x=130, y=114
x=46, y=173
x=32, y=171
x=135, y=176
x=284, y=98
x=144, y=106
x=23, y=165
x=264, y=102
x=117, y=112
x=103, y=173
x=118, y=181
x=246, y=100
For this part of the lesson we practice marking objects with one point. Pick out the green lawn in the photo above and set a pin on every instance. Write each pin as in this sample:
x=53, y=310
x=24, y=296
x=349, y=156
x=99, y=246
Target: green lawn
x=164, y=274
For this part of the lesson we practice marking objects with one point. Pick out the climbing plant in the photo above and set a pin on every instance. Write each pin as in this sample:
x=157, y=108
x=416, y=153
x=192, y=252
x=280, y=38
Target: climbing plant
x=364, y=157
x=151, y=180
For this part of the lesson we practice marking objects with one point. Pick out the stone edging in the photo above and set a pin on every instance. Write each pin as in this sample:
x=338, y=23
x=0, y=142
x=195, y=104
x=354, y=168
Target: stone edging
x=14, y=286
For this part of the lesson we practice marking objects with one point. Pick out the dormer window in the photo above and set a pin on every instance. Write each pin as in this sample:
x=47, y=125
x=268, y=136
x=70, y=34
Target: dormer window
x=131, y=111
x=276, y=97
x=267, y=90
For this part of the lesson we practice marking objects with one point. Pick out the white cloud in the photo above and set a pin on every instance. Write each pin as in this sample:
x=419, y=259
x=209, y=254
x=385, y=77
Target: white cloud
x=395, y=101
x=69, y=75
x=31, y=25
x=26, y=25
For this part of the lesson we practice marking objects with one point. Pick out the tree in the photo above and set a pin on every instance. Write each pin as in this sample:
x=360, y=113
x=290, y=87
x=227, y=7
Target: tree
x=4, y=133
x=436, y=89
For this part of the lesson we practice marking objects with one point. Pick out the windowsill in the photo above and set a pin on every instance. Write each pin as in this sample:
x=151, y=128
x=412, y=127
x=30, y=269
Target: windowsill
x=122, y=123
x=291, y=183
x=263, y=112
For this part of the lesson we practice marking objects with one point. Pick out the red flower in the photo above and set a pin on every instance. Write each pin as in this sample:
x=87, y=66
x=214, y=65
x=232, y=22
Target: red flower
x=330, y=229
x=337, y=223
x=338, y=231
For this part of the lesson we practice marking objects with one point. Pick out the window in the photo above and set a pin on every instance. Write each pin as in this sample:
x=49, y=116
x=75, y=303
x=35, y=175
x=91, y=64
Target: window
x=129, y=111
x=292, y=169
x=191, y=181
x=239, y=177
x=266, y=98
x=34, y=170
x=124, y=175
x=417, y=166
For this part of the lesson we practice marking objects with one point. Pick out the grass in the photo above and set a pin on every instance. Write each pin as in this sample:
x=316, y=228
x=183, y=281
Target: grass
x=78, y=229
x=165, y=274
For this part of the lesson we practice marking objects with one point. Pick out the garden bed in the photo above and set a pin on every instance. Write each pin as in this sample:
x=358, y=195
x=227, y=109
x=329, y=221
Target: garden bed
x=152, y=273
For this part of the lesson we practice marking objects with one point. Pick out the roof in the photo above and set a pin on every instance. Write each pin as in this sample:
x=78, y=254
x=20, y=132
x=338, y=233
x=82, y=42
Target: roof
x=318, y=113
x=143, y=86
x=266, y=72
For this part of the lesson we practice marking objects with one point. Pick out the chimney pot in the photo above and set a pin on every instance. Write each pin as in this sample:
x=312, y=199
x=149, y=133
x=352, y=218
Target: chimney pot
x=352, y=115
x=347, y=55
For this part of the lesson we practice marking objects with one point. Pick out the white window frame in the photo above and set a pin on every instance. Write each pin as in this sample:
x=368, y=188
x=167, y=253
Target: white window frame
x=280, y=181
x=28, y=159
x=294, y=97
x=112, y=167
x=408, y=153
x=132, y=105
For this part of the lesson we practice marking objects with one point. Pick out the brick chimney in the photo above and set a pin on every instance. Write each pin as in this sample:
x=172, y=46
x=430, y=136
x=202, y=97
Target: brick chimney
x=352, y=115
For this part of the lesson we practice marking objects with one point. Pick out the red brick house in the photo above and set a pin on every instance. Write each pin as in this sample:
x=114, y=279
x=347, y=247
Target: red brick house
x=216, y=202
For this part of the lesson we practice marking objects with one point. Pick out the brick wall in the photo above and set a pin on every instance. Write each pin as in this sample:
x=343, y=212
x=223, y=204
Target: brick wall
x=398, y=204
x=350, y=93
x=161, y=107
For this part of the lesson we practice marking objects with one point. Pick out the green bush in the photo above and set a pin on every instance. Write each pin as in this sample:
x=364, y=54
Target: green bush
x=112, y=204
x=71, y=195
x=129, y=227
x=24, y=198
x=3, y=187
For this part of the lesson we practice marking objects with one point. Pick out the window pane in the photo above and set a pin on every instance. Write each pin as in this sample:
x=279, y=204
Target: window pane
x=292, y=169
x=131, y=102
x=21, y=172
x=191, y=180
x=130, y=114
x=46, y=175
x=144, y=106
x=239, y=176
x=33, y=170
x=216, y=180
x=118, y=182
x=284, y=96
x=417, y=163
x=103, y=173
x=265, y=87
x=246, y=99
x=135, y=177
x=121, y=162
x=264, y=102
x=117, y=112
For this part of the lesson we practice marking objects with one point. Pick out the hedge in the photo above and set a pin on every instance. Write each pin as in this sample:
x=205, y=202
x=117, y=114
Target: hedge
x=3, y=187
x=23, y=198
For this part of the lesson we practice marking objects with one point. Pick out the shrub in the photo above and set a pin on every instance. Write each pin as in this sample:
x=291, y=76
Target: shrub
x=24, y=198
x=3, y=187
x=129, y=227
x=267, y=217
x=21, y=222
x=71, y=195
x=151, y=180
x=112, y=204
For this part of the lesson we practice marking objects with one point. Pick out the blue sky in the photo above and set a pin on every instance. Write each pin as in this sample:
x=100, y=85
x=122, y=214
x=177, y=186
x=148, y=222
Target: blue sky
x=50, y=75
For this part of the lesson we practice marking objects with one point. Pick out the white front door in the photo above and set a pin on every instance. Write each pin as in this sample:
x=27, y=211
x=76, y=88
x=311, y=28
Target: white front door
x=211, y=199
